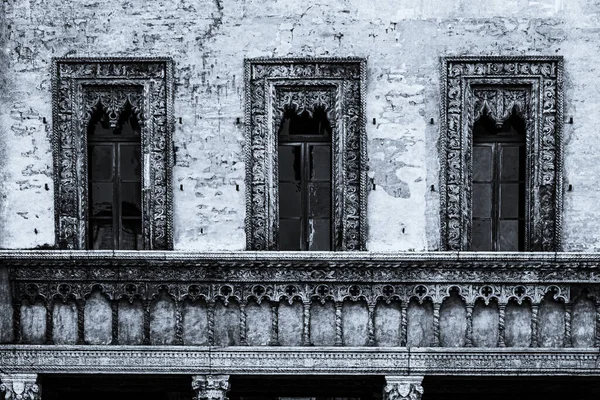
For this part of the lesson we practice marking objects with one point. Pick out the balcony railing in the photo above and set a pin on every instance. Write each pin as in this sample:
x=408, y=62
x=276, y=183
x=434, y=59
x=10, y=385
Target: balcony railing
x=306, y=299
x=280, y=312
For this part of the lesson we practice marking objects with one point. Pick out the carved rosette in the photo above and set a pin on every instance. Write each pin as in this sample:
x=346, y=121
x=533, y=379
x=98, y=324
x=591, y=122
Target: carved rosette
x=532, y=87
x=78, y=86
x=210, y=387
x=20, y=387
x=403, y=388
x=338, y=86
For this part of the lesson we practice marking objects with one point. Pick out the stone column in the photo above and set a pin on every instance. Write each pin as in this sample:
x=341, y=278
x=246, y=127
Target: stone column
x=403, y=388
x=210, y=387
x=20, y=387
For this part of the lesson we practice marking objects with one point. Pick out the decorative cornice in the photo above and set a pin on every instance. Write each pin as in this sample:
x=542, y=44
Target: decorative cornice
x=301, y=361
x=534, y=260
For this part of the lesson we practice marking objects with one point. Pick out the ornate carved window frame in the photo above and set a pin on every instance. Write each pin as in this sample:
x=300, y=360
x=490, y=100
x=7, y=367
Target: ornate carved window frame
x=77, y=84
x=270, y=85
x=532, y=85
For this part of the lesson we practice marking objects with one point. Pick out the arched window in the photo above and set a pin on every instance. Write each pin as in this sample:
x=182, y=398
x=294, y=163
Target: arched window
x=498, y=199
x=114, y=180
x=304, y=158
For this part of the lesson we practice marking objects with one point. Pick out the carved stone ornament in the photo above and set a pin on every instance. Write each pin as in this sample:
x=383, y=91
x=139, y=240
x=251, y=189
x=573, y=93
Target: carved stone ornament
x=403, y=388
x=338, y=86
x=79, y=85
x=20, y=387
x=274, y=278
x=210, y=387
x=532, y=88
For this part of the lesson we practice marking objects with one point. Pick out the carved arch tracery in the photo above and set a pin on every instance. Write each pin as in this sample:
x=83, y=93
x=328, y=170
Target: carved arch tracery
x=531, y=87
x=79, y=87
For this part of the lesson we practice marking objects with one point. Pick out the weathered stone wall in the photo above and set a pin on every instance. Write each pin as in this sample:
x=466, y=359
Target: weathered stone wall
x=208, y=40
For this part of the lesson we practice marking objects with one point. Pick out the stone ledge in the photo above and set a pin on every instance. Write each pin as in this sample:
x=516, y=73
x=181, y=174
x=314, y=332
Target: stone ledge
x=294, y=360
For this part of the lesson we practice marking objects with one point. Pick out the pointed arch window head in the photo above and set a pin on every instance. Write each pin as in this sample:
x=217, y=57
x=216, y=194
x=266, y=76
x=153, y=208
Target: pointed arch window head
x=106, y=122
x=305, y=123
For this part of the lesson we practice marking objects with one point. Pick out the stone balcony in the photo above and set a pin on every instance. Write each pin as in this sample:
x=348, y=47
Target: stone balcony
x=280, y=312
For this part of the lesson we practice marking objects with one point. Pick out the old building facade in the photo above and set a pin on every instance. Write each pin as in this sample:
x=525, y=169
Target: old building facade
x=279, y=199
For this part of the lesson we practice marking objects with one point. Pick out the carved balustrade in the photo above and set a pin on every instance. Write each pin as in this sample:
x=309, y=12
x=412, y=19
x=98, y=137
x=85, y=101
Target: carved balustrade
x=306, y=299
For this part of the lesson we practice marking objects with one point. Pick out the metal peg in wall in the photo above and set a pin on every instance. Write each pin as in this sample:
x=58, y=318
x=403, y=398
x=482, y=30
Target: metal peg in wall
x=374, y=121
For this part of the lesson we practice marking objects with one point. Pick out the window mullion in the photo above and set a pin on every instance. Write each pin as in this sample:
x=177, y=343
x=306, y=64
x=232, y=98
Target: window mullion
x=116, y=197
x=495, y=196
x=305, y=206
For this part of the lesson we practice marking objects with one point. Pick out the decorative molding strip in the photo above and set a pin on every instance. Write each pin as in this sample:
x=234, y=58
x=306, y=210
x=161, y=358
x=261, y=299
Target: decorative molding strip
x=279, y=267
x=532, y=84
x=77, y=84
x=307, y=361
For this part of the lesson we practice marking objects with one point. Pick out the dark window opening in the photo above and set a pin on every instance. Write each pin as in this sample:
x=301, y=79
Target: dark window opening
x=114, y=180
x=498, y=197
x=305, y=181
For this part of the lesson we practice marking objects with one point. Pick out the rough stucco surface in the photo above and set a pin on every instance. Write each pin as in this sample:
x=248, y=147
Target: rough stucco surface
x=208, y=40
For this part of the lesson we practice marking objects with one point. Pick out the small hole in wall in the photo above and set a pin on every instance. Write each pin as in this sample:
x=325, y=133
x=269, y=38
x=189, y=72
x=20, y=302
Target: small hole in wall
x=237, y=121
x=570, y=189
x=44, y=120
x=237, y=187
x=35, y=231
x=181, y=187
x=180, y=120
x=432, y=188
x=431, y=121
x=46, y=186
x=570, y=120
x=403, y=230
x=202, y=230
x=374, y=121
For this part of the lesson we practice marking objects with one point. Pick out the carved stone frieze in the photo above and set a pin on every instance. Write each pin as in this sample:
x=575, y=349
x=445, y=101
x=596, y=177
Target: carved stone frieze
x=403, y=388
x=20, y=386
x=532, y=87
x=338, y=86
x=306, y=361
x=79, y=85
x=210, y=387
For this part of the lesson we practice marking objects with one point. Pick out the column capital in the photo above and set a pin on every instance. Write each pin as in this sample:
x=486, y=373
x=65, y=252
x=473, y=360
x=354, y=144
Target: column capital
x=403, y=388
x=20, y=387
x=210, y=387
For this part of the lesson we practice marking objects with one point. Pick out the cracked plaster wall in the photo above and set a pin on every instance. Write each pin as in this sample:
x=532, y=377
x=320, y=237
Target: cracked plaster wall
x=208, y=40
